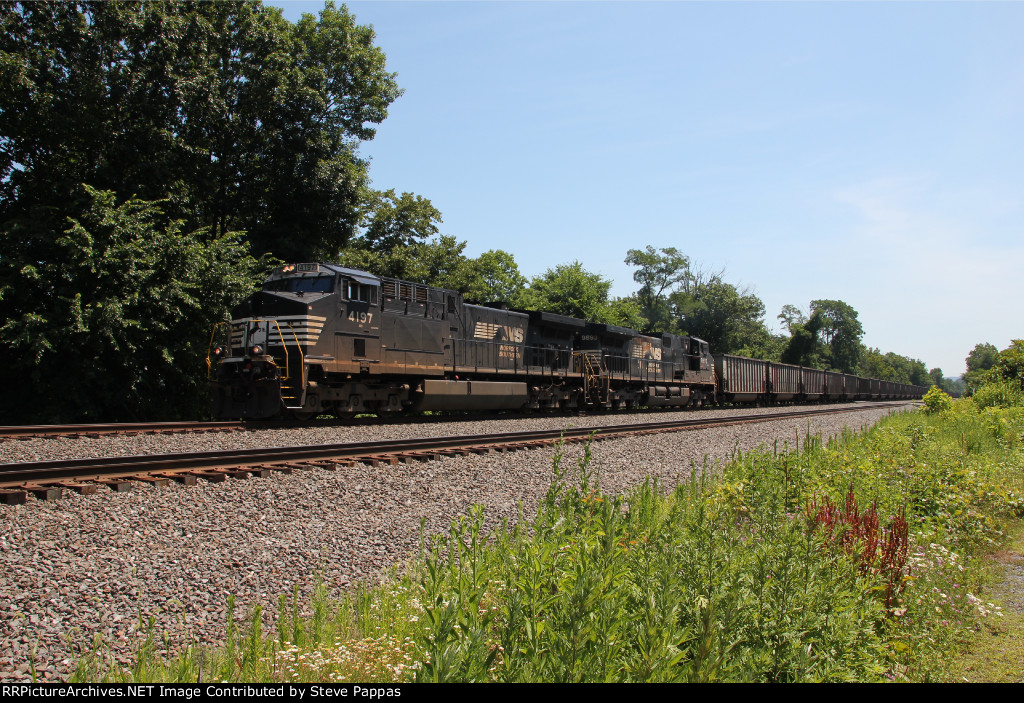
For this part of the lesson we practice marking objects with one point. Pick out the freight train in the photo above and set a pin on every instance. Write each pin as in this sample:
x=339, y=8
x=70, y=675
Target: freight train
x=321, y=338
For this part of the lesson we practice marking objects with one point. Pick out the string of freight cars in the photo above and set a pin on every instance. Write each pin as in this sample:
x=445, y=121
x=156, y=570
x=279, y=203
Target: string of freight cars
x=322, y=338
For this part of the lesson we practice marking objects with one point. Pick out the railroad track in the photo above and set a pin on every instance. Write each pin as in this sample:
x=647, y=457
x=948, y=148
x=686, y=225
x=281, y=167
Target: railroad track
x=15, y=432
x=47, y=480
x=26, y=432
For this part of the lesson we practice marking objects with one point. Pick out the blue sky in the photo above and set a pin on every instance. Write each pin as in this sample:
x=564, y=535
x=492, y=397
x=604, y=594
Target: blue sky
x=867, y=152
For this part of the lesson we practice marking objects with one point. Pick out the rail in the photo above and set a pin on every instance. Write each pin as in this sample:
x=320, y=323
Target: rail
x=47, y=478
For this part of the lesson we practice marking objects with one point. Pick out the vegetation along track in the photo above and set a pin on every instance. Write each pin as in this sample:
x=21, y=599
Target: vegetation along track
x=48, y=479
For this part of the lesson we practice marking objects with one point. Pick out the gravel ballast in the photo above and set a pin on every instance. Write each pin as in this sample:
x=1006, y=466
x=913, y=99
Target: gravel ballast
x=91, y=565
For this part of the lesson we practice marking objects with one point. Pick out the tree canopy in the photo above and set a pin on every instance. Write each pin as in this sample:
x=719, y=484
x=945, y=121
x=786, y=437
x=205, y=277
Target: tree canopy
x=569, y=289
x=1010, y=364
x=659, y=275
x=155, y=156
x=893, y=367
x=840, y=331
x=982, y=358
x=145, y=150
x=234, y=117
x=828, y=338
x=115, y=324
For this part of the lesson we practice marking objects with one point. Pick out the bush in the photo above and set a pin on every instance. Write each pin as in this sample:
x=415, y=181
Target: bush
x=997, y=393
x=937, y=401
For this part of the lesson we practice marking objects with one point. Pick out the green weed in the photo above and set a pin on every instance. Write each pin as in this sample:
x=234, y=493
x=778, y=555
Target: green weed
x=850, y=561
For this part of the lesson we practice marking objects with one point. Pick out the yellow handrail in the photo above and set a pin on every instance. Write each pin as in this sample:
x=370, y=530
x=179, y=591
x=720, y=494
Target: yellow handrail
x=302, y=356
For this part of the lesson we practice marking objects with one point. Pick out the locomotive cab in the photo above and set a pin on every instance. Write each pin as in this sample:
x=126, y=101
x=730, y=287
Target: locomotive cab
x=274, y=342
x=357, y=335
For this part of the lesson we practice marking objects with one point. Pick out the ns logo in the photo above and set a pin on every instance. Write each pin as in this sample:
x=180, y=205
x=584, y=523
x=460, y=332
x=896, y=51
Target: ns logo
x=492, y=331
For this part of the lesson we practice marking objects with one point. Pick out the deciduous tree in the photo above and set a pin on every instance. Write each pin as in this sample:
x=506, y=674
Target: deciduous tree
x=234, y=117
x=660, y=272
x=791, y=315
x=982, y=358
x=569, y=289
x=723, y=315
x=496, y=278
x=114, y=323
x=840, y=331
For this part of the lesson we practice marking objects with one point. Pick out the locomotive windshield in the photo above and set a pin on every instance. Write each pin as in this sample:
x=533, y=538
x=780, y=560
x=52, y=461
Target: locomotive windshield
x=300, y=284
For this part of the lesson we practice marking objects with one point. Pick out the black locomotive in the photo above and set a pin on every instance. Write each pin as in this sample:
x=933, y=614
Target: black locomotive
x=321, y=338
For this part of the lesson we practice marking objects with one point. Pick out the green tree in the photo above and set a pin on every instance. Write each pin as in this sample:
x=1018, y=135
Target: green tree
x=727, y=318
x=894, y=367
x=1010, y=365
x=395, y=232
x=569, y=289
x=441, y=263
x=947, y=385
x=397, y=222
x=114, y=323
x=436, y=262
x=495, y=277
x=791, y=315
x=875, y=364
x=624, y=312
x=234, y=118
x=804, y=348
x=982, y=358
x=203, y=131
x=659, y=275
x=840, y=331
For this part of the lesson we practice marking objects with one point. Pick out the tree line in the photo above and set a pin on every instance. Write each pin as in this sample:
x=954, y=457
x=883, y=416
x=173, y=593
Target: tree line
x=156, y=159
x=673, y=295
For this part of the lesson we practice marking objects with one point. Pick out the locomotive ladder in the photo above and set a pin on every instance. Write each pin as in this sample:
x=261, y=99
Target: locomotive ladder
x=293, y=377
x=596, y=383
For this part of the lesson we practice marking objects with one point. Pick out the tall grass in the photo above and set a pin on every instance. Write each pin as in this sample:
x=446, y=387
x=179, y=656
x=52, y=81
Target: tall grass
x=847, y=562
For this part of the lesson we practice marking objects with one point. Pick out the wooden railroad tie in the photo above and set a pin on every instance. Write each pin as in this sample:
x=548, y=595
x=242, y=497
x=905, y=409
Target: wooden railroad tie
x=13, y=497
x=211, y=476
x=118, y=485
x=260, y=471
x=151, y=479
x=185, y=478
x=44, y=492
x=377, y=460
x=86, y=489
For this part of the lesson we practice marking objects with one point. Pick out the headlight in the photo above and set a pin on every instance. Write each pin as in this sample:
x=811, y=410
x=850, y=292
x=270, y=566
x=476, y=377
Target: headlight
x=256, y=350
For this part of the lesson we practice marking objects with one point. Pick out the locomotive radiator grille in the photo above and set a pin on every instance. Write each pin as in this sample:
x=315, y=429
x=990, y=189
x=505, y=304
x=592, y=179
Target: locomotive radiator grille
x=305, y=329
